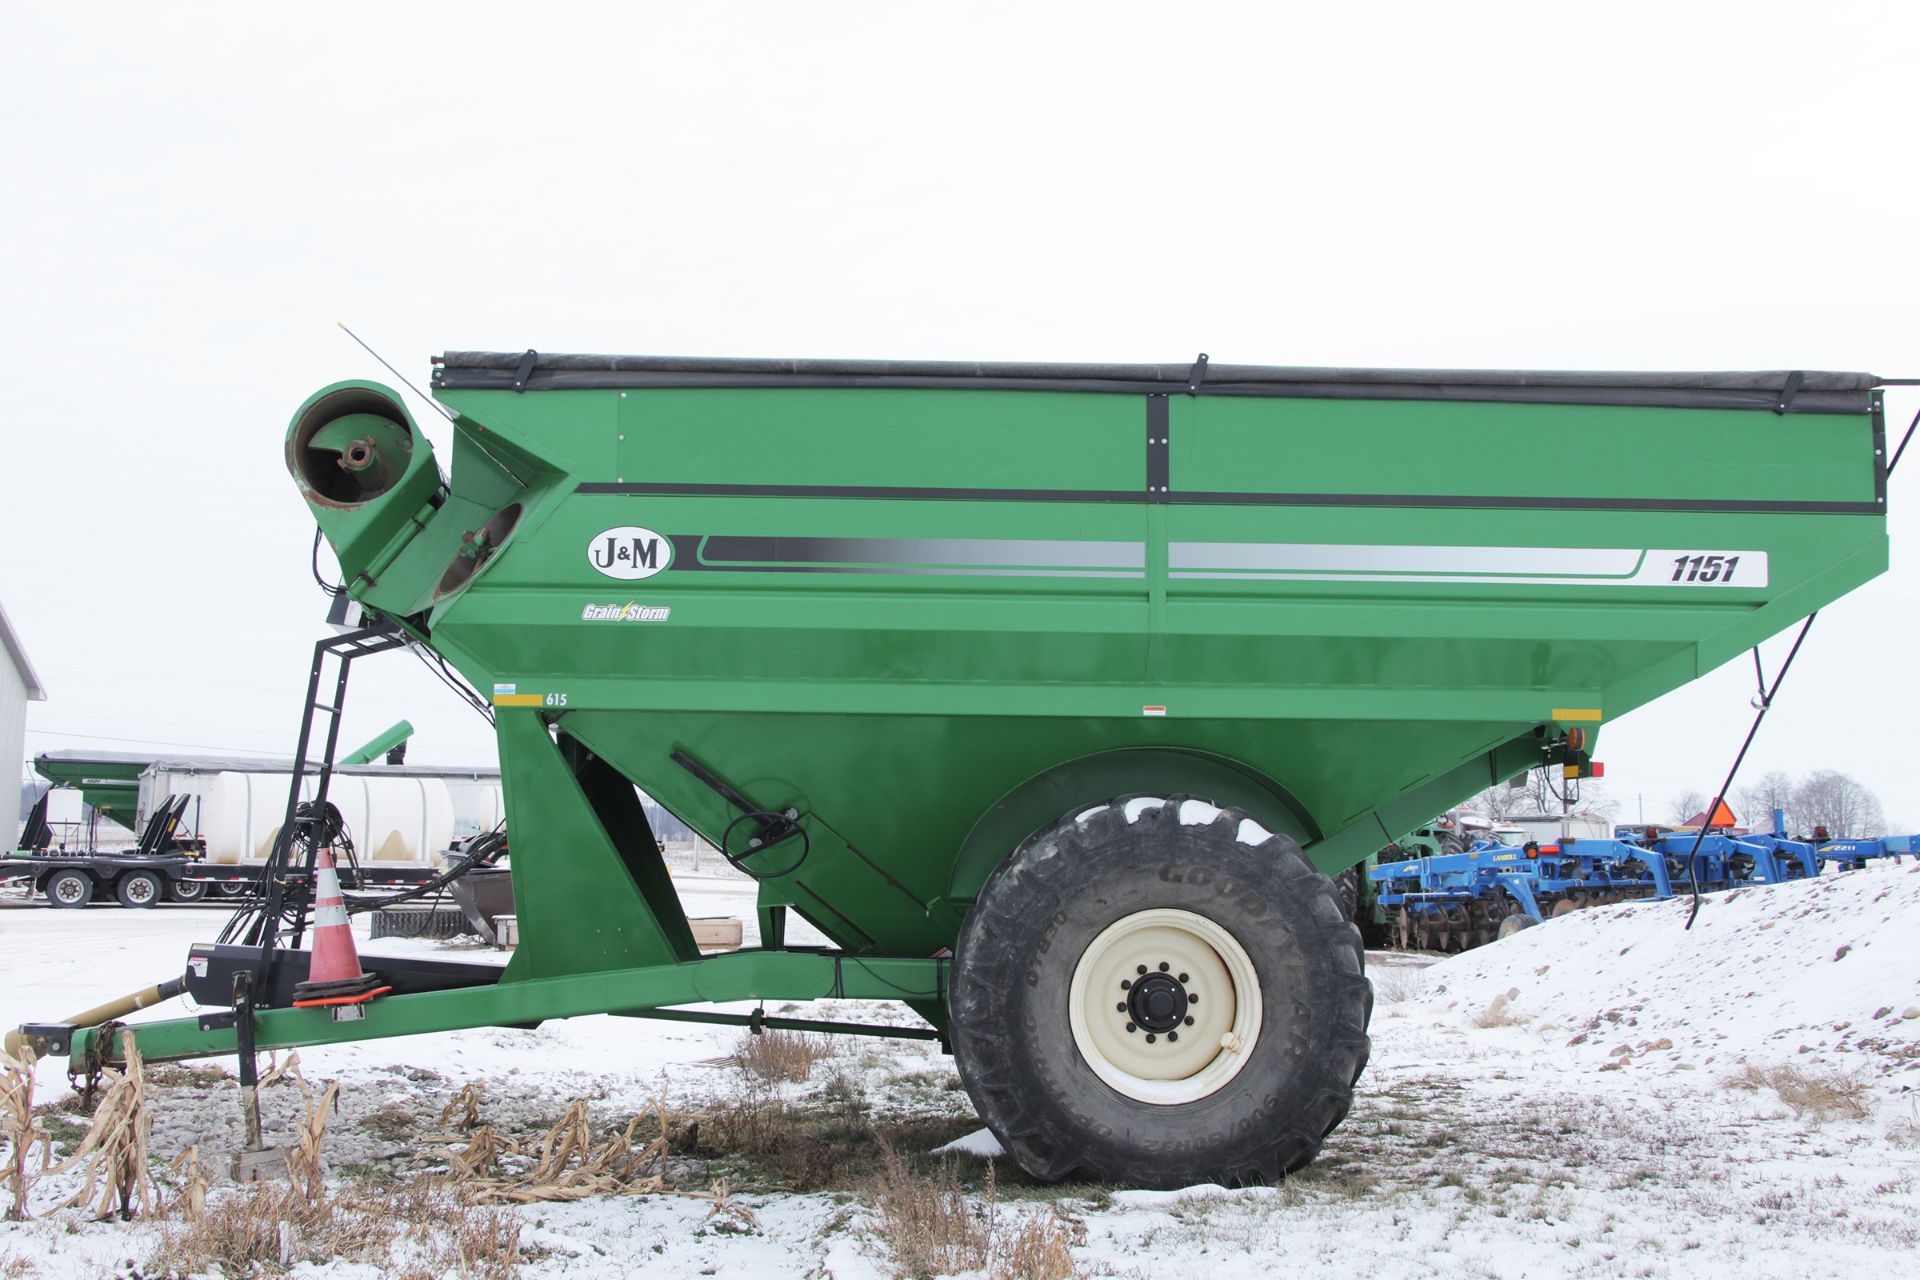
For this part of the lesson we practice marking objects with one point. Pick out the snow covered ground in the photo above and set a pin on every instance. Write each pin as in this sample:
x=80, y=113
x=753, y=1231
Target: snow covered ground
x=1606, y=1095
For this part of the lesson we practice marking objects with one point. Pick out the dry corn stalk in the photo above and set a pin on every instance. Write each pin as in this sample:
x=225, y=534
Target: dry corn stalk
x=465, y=1105
x=569, y=1166
x=21, y=1130
x=193, y=1184
x=306, y=1168
x=725, y=1207
x=113, y=1154
x=481, y=1156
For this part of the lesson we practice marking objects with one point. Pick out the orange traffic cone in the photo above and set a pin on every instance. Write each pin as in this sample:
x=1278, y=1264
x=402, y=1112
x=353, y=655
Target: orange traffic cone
x=333, y=976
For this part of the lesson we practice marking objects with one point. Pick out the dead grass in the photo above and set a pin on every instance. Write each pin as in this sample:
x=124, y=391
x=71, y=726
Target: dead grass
x=927, y=1220
x=831, y=1140
x=395, y=1121
x=933, y=1225
x=775, y=1056
x=1394, y=984
x=1039, y=1248
x=1496, y=1014
x=267, y=1228
x=424, y=1229
x=1820, y=1094
x=14, y=1266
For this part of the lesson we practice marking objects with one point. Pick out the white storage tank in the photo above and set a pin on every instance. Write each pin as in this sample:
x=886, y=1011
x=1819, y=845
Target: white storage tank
x=394, y=816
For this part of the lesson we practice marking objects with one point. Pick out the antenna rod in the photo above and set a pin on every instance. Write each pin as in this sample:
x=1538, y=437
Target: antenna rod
x=396, y=373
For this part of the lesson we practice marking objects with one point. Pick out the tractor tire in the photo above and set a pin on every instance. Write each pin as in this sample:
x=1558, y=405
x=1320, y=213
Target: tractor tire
x=139, y=889
x=1513, y=924
x=69, y=888
x=1347, y=885
x=187, y=890
x=1111, y=934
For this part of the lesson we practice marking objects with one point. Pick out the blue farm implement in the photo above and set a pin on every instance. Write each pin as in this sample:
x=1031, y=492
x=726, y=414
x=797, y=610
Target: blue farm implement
x=1454, y=901
x=1853, y=855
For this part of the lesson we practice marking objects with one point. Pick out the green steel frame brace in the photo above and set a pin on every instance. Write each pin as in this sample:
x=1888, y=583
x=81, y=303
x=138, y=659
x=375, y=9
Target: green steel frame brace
x=737, y=975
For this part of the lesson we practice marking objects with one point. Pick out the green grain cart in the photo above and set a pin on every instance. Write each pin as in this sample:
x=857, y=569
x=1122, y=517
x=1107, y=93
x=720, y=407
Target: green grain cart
x=1052, y=694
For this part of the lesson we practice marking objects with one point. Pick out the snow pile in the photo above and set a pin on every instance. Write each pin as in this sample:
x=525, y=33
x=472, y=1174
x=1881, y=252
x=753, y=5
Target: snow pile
x=1821, y=973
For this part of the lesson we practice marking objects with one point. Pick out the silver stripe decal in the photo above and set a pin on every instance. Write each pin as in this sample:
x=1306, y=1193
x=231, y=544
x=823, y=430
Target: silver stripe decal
x=1553, y=566
x=1316, y=557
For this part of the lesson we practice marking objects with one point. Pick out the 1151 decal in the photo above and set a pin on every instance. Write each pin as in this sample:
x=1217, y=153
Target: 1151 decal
x=1704, y=568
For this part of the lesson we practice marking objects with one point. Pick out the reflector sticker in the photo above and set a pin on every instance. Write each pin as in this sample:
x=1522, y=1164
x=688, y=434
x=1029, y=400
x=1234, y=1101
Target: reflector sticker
x=1153, y=711
x=1577, y=713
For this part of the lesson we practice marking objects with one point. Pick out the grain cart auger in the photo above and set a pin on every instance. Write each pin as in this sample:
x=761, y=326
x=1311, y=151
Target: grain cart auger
x=1051, y=694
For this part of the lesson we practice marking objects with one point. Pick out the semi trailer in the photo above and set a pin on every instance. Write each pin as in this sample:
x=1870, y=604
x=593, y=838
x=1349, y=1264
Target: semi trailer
x=1052, y=695
x=205, y=825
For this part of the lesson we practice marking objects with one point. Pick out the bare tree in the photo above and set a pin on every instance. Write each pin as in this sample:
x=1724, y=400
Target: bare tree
x=1505, y=800
x=1596, y=803
x=1831, y=799
x=1754, y=803
x=1538, y=795
x=1685, y=804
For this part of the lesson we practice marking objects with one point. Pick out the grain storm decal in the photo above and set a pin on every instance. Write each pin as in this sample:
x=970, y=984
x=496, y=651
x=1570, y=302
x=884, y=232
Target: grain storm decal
x=629, y=552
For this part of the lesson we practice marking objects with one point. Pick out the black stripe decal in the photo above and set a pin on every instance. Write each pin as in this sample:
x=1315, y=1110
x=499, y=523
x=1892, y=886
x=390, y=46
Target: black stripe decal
x=1880, y=458
x=1196, y=498
x=1157, y=437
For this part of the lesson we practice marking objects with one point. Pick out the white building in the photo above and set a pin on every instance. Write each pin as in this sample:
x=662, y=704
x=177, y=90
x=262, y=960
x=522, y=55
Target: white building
x=18, y=686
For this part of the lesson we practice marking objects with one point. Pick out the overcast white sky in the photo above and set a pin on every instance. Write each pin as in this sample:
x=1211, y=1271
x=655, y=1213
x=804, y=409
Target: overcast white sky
x=190, y=198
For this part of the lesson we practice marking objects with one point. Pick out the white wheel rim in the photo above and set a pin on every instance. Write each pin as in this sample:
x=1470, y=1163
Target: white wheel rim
x=140, y=889
x=68, y=890
x=1183, y=1063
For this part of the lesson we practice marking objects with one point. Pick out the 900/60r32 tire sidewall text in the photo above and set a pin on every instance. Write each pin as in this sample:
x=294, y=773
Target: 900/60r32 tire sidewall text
x=1071, y=884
